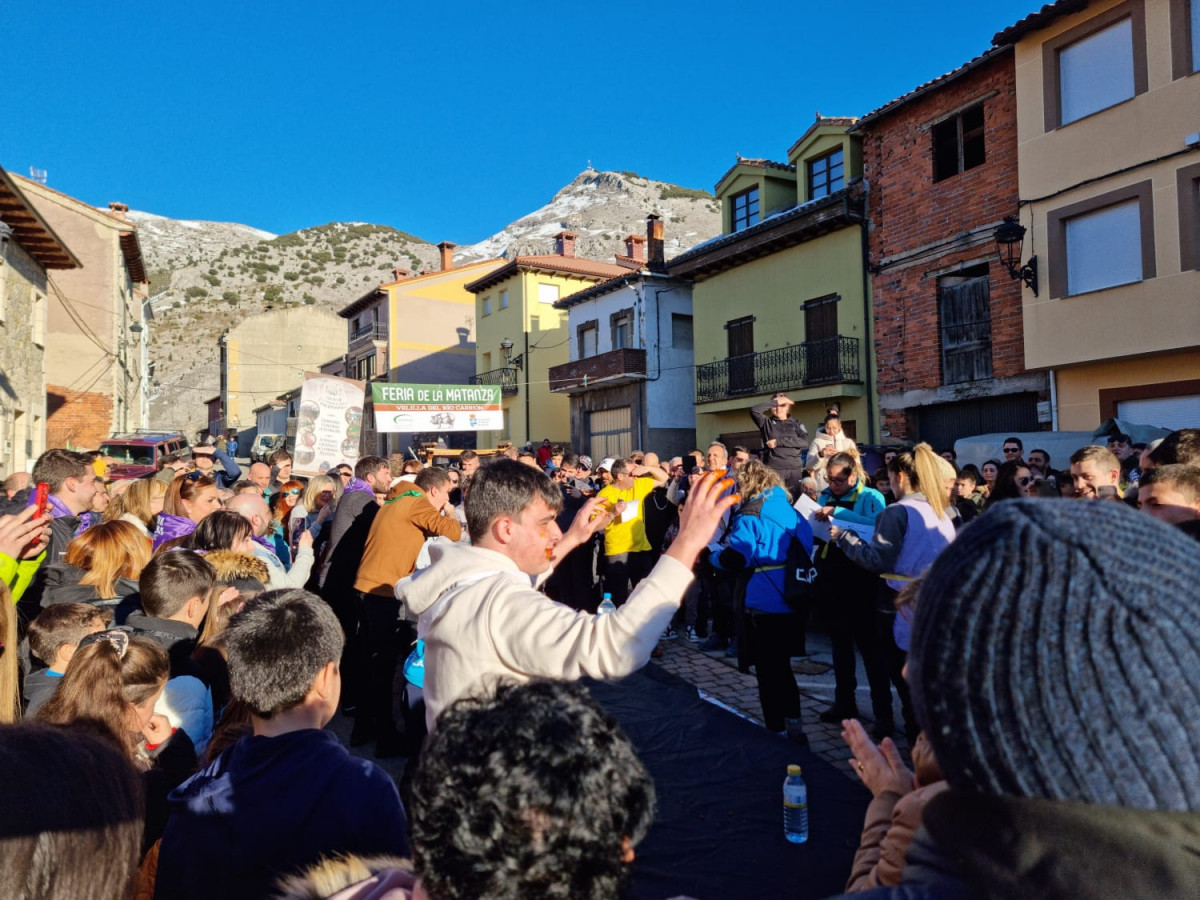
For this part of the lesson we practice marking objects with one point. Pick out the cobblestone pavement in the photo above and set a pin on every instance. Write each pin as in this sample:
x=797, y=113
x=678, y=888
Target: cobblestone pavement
x=718, y=680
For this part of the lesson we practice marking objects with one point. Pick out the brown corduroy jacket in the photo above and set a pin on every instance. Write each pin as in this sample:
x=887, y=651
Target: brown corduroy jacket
x=398, y=532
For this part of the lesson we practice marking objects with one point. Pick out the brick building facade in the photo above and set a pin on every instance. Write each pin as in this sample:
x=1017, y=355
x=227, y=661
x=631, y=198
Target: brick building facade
x=941, y=166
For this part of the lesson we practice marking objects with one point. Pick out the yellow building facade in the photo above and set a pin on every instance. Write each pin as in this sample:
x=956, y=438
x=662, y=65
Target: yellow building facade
x=781, y=301
x=1110, y=192
x=520, y=335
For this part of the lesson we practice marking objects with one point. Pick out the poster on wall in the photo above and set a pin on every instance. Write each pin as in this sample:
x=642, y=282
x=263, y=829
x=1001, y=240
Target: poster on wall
x=437, y=407
x=328, y=423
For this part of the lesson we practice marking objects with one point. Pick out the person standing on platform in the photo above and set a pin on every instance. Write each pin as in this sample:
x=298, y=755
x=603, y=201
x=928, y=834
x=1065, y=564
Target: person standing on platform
x=784, y=439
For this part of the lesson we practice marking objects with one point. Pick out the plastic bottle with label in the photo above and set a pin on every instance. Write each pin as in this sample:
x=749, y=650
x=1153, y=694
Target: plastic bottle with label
x=795, y=806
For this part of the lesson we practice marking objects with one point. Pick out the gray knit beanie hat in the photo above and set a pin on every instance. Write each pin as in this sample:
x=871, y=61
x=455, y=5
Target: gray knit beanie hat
x=1056, y=654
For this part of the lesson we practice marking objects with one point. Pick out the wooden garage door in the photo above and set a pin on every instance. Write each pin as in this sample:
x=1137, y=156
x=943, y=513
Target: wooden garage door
x=610, y=433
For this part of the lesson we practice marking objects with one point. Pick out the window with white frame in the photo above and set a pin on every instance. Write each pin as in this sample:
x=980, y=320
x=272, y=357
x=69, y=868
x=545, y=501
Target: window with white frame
x=547, y=293
x=1096, y=72
x=1104, y=248
x=487, y=306
x=504, y=299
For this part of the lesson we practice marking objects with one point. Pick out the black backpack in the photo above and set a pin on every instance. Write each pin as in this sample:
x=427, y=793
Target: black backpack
x=799, y=572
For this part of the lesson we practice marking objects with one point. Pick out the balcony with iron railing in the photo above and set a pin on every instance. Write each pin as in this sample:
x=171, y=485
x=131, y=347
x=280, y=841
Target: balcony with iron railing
x=810, y=364
x=506, y=378
x=602, y=370
x=372, y=331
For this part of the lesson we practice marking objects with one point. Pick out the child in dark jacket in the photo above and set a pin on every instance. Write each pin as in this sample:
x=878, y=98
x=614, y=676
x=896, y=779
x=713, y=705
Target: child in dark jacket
x=288, y=794
x=54, y=636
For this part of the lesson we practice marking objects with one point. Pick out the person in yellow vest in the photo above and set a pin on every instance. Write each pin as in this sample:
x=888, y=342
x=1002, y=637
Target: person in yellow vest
x=628, y=556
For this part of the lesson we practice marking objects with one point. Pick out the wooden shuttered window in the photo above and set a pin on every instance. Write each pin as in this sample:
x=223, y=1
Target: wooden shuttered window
x=966, y=325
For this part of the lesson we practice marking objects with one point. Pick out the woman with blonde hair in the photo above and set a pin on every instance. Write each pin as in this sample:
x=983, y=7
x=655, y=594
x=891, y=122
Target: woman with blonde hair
x=756, y=549
x=314, y=508
x=101, y=567
x=909, y=535
x=189, y=499
x=139, y=504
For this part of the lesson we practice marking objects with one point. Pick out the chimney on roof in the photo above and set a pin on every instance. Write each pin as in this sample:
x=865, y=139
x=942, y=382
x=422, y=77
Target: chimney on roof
x=564, y=244
x=447, y=251
x=400, y=274
x=118, y=209
x=635, y=248
x=655, y=253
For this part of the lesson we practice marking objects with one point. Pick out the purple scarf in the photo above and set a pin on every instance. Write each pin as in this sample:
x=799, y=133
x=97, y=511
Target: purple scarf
x=357, y=484
x=58, y=509
x=170, y=527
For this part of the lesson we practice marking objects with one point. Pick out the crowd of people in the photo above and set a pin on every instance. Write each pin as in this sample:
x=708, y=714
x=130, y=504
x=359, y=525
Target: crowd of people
x=185, y=638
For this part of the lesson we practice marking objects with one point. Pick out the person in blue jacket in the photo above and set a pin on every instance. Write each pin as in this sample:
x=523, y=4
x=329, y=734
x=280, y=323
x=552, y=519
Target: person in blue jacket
x=756, y=549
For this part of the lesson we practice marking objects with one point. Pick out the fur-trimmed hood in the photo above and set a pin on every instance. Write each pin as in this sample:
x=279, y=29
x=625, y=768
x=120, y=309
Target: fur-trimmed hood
x=354, y=878
x=237, y=569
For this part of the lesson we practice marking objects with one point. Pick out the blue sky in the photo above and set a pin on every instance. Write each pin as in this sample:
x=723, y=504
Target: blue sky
x=445, y=120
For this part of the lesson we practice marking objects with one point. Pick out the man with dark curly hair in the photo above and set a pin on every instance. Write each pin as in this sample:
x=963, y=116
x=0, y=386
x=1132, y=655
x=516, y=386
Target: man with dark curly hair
x=533, y=791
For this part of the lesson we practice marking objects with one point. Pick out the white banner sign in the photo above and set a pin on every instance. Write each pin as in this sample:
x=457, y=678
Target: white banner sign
x=328, y=424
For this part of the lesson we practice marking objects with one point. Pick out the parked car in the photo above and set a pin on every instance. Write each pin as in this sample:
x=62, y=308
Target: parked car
x=266, y=444
x=137, y=454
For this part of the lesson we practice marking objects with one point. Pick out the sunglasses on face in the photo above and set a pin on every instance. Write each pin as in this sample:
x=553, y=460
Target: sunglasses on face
x=293, y=492
x=1012, y=450
x=1023, y=482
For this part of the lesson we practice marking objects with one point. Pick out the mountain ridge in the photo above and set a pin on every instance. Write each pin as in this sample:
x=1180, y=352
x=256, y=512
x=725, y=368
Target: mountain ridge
x=207, y=276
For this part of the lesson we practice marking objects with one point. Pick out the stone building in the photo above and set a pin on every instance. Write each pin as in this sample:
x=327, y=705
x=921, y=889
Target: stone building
x=97, y=319
x=28, y=248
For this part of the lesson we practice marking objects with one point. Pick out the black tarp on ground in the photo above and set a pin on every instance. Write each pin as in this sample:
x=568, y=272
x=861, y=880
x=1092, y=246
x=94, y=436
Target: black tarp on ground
x=719, y=778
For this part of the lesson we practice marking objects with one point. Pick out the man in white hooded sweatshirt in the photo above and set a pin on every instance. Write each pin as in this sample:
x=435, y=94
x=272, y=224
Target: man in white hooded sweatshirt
x=483, y=619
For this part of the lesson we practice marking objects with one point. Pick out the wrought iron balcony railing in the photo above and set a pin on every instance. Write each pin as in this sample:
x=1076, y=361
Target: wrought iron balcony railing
x=373, y=331
x=827, y=361
x=506, y=378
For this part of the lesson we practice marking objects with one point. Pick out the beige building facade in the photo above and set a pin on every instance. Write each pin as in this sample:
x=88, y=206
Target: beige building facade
x=267, y=355
x=97, y=323
x=28, y=248
x=522, y=335
x=1108, y=110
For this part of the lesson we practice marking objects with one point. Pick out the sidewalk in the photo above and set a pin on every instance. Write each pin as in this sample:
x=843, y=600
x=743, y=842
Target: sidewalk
x=717, y=679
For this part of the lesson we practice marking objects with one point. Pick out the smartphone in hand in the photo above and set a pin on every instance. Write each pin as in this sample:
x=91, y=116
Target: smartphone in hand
x=41, y=499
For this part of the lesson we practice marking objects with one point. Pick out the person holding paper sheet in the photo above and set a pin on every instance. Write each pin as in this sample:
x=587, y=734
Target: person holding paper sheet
x=848, y=594
x=908, y=536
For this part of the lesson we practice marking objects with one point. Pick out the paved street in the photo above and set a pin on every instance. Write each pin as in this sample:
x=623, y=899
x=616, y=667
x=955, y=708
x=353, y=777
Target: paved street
x=718, y=680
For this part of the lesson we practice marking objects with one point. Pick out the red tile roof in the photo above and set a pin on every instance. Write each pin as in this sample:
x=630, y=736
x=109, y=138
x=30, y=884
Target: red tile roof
x=552, y=262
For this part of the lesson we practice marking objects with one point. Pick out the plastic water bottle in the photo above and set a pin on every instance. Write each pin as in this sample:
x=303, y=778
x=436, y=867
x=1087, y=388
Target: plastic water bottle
x=795, y=806
x=606, y=605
